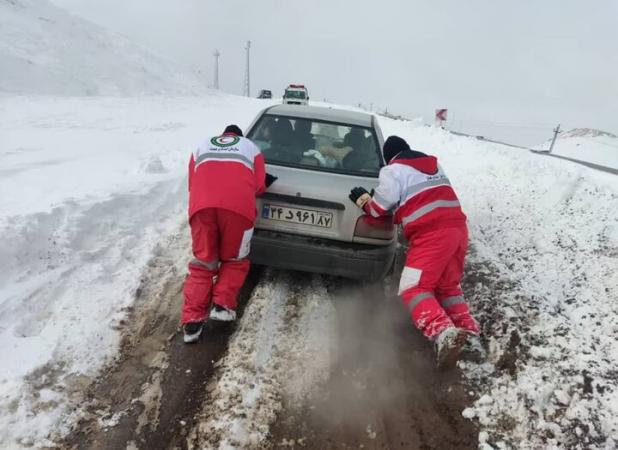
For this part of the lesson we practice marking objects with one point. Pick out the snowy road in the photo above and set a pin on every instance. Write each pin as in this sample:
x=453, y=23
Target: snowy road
x=94, y=249
x=314, y=362
x=94, y=245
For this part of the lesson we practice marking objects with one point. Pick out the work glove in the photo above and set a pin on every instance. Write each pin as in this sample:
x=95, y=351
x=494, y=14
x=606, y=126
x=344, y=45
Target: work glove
x=360, y=196
x=269, y=179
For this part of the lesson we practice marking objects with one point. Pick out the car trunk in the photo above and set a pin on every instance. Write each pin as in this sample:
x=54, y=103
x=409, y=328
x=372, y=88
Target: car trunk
x=311, y=203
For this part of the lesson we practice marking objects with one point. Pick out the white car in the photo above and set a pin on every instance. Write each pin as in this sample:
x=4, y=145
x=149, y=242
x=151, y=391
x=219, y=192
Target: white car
x=296, y=94
x=306, y=220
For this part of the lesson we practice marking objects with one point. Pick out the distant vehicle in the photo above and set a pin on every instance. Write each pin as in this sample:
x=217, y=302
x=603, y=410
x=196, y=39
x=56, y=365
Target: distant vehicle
x=306, y=220
x=265, y=93
x=296, y=94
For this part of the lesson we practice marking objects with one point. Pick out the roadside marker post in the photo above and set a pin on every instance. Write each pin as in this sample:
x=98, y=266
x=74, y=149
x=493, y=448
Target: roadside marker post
x=441, y=115
x=553, y=141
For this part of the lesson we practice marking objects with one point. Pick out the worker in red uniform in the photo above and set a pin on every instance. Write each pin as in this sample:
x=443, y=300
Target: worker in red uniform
x=226, y=173
x=414, y=187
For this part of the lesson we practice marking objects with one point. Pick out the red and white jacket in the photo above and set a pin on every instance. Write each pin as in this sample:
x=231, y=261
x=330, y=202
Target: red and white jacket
x=226, y=172
x=416, y=190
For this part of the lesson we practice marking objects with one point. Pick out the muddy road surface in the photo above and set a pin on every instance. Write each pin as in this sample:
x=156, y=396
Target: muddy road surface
x=312, y=362
x=383, y=391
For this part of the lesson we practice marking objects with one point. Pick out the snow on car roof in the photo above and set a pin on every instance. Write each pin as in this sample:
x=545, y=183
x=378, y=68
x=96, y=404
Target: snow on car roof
x=322, y=113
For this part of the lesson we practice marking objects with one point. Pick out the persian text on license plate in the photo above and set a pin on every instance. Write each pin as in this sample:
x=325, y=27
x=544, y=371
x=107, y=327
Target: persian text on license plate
x=297, y=215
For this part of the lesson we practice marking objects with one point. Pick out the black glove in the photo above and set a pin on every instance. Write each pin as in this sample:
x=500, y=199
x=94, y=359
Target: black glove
x=270, y=179
x=360, y=196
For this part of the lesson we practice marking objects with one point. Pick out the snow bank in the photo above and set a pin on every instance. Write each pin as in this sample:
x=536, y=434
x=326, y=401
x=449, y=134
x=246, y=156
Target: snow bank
x=45, y=50
x=545, y=239
x=88, y=187
x=584, y=144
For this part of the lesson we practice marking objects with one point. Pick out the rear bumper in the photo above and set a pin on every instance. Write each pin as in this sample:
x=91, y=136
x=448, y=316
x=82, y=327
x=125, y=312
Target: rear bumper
x=293, y=252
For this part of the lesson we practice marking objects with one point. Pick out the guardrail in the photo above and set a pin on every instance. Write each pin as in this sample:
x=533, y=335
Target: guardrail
x=483, y=138
x=583, y=163
x=538, y=152
x=545, y=153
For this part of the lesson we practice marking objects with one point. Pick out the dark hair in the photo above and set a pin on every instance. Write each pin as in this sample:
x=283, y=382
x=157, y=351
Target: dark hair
x=233, y=129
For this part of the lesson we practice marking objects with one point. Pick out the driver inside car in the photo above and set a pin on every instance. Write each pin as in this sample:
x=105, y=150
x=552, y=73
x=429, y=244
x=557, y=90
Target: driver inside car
x=303, y=139
x=284, y=147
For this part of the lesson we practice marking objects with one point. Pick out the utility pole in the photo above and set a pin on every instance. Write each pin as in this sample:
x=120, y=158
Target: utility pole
x=247, y=71
x=216, y=54
x=553, y=141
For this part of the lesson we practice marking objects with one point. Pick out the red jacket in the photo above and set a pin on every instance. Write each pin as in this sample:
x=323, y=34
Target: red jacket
x=226, y=172
x=415, y=188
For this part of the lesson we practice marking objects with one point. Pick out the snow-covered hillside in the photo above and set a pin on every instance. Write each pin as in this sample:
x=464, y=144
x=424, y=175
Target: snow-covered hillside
x=585, y=144
x=45, y=50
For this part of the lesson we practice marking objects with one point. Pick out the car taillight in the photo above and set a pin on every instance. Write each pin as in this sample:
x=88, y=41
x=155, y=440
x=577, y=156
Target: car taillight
x=375, y=228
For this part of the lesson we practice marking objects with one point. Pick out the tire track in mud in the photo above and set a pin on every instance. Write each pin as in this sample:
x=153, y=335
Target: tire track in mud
x=280, y=350
x=313, y=362
x=147, y=397
x=382, y=390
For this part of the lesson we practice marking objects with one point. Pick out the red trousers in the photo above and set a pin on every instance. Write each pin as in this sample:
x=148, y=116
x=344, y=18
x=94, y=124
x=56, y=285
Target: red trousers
x=430, y=282
x=221, y=241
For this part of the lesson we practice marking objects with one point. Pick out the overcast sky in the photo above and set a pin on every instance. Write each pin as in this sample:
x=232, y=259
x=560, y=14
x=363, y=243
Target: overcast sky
x=511, y=70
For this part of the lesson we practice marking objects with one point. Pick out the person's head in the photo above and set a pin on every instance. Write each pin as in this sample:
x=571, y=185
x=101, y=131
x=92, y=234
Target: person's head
x=267, y=131
x=393, y=146
x=233, y=129
x=354, y=138
x=282, y=132
x=303, y=126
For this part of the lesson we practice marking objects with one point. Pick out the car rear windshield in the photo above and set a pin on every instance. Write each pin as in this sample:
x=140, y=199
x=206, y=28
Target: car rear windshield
x=295, y=94
x=317, y=145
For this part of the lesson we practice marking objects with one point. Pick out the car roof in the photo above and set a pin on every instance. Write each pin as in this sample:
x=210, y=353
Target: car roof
x=327, y=114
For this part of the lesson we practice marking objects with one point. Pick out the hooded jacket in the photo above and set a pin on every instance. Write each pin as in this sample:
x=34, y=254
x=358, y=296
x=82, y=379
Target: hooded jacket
x=416, y=190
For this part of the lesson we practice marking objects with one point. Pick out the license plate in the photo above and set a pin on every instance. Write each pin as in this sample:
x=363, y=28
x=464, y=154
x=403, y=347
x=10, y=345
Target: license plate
x=297, y=215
